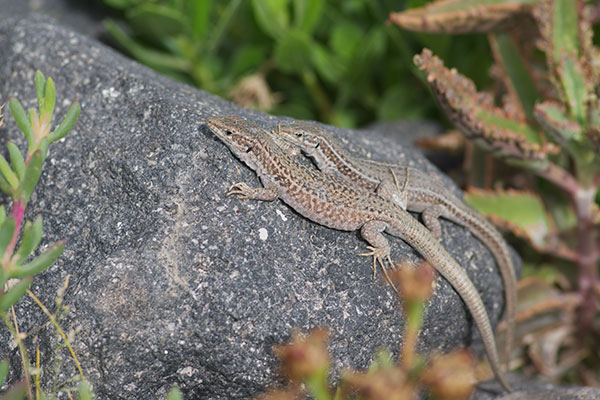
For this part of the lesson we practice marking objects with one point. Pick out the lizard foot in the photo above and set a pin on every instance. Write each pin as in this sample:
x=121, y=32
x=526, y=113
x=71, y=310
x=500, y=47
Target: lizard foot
x=379, y=254
x=241, y=189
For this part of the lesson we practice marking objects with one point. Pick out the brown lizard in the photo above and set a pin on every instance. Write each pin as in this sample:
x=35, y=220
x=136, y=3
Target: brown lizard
x=411, y=189
x=334, y=203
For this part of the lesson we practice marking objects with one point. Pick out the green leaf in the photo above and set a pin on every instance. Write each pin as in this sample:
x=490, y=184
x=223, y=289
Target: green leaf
x=5, y=187
x=85, y=391
x=573, y=81
x=532, y=135
x=307, y=13
x=13, y=295
x=16, y=392
x=32, y=236
x=156, y=21
x=47, y=107
x=40, y=82
x=161, y=61
x=521, y=212
x=2, y=216
x=67, y=123
x=519, y=77
x=32, y=175
x=3, y=371
x=2, y=282
x=565, y=29
x=8, y=173
x=329, y=67
x=175, y=394
x=20, y=117
x=7, y=230
x=16, y=159
x=292, y=53
x=200, y=16
x=345, y=39
x=40, y=263
x=553, y=118
x=272, y=16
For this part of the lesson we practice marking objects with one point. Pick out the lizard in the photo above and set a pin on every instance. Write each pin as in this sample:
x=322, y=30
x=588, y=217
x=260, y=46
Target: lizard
x=332, y=202
x=411, y=189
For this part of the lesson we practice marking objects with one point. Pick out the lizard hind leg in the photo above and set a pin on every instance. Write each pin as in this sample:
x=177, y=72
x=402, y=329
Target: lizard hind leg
x=379, y=255
x=379, y=246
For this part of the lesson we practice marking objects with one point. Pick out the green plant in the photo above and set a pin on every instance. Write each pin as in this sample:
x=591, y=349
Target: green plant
x=328, y=60
x=548, y=125
x=17, y=180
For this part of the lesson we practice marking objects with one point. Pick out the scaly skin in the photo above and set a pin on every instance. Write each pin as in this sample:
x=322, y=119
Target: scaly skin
x=411, y=189
x=334, y=203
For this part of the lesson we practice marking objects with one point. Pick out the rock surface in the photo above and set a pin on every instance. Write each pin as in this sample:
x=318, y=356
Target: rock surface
x=171, y=282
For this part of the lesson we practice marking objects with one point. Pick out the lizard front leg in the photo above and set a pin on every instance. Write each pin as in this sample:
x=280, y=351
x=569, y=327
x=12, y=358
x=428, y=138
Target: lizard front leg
x=268, y=193
x=372, y=232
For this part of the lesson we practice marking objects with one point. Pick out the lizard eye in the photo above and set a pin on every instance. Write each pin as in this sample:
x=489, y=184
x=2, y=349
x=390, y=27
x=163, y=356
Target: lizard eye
x=298, y=134
x=228, y=133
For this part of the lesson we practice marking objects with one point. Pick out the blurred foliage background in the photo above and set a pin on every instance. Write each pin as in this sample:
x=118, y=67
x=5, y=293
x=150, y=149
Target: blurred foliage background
x=335, y=61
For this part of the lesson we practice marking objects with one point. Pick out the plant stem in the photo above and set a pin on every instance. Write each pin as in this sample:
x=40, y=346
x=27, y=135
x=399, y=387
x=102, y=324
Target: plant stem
x=14, y=330
x=18, y=211
x=588, y=261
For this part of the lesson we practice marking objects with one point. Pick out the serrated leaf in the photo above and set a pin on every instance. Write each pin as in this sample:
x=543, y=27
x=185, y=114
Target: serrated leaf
x=13, y=295
x=40, y=263
x=475, y=115
x=462, y=16
x=32, y=175
x=67, y=123
x=156, y=21
x=8, y=173
x=574, y=87
x=307, y=13
x=7, y=231
x=292, y=53
x=21, y=118
x=554, y=119
x=47, y=107
x=521, y=212
x=32, y=236
x=16, y=160
x=565, y=29
x=272, y=16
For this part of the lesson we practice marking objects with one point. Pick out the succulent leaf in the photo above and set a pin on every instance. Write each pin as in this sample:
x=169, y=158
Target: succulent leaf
x=463, y=16
x=11, y=296
x=40, y=263
x=475, y=115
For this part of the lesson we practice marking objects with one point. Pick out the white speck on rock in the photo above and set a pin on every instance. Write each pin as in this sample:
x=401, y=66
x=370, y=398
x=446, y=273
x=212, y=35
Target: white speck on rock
x=281, y=214
x=111, y=92
x=263, y=234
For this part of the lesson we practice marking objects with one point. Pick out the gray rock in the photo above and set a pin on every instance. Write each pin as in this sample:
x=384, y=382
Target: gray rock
x=171, y=282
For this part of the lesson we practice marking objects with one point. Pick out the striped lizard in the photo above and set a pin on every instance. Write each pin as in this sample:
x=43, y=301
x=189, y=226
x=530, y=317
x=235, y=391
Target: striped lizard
x=334, y=203
x=411, y=189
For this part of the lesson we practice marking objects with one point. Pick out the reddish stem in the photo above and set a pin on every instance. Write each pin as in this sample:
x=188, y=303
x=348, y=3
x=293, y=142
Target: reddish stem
x=561, y=178
x=588, y=261
x=18, y=211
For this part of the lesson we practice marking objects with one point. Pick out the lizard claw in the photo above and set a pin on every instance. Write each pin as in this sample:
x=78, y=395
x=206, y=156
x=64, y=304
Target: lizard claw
x=241, y=189
x=379, y=254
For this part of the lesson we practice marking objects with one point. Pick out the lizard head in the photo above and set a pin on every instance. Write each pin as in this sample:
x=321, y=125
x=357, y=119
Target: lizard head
x=238, y=134
x=308, y=137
